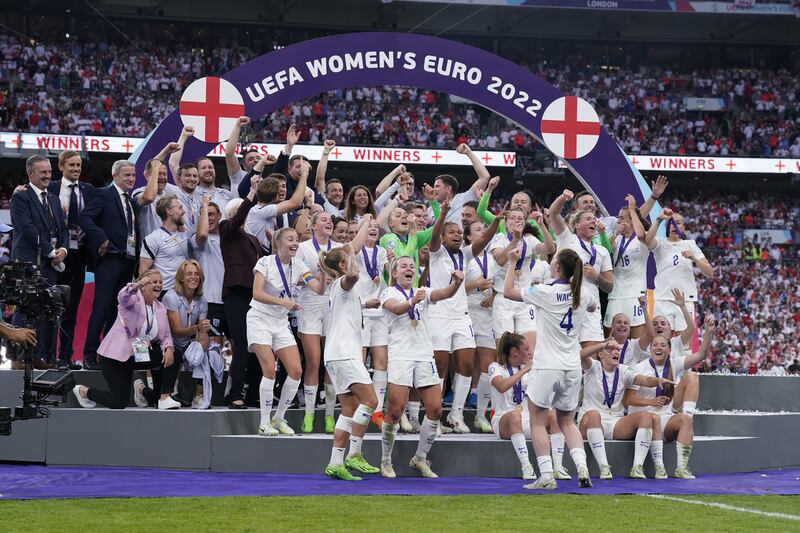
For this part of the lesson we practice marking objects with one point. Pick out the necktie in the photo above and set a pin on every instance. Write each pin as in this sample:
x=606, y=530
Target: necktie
x=72, y=212
x=47, y=210
x=129, y=213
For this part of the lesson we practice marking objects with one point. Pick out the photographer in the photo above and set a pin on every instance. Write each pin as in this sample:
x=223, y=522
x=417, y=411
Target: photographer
x=139, y=339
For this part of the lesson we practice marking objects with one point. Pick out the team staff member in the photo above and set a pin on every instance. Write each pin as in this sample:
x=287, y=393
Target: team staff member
x=205, y=247
x=73, y=195
x=446, y=186
x=411, y=362
x=40, y=236
x=236, y=172
x=139, y=338
x=556, y=376
x=168, y=246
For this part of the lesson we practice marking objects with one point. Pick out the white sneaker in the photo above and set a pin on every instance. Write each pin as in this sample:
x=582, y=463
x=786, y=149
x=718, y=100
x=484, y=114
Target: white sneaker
x=86, y=403
x=405, y=425
x=423, y=465
x=605, y=472
x=457, y=421
x=197, y=402
x=138, y=397
x=543, y=483
x=562, y=474
x=281, y=425
x=267, y=431
x=527, y=472
x=168, y=404
x=482, y=425
x=387, y=470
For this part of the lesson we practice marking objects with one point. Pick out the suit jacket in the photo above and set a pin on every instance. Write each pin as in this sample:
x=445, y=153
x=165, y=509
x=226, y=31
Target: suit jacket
x=117, y=344
x=103, y=219
x=34, y=227
x=240, y=250
x=86, y=189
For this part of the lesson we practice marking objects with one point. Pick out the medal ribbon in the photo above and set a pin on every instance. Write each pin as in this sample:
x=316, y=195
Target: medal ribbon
x=665, y=373
x=283, y=275
x=372, y=269
x=593, y=251
x=411, y=312
x=623, y=245
x=517, y=386
x=609, y=398
x=671, y=222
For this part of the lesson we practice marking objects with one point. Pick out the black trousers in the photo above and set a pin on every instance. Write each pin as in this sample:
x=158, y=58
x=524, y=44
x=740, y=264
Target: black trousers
x=244, y=366
x=73, y=276
x=110, y=275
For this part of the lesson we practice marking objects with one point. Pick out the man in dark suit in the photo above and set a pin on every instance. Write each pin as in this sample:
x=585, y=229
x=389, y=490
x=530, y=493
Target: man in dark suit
x=110, y=224
x=74, y=196
x=40, y=236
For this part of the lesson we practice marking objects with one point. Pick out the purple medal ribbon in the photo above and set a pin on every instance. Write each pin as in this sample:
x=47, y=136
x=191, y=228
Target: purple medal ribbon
x=457, y=265
x=671, y=222
x=411, y=310
x=316, y=244
x=609, y=398
x=372, y=269
x=533, y=262
x=483, y=266
x=517, y=386
x=593, y=251
x=665, y=372
x=560, y=282
x=283, y=275
x=623, y=245
x=622, y=353
x=521, y=259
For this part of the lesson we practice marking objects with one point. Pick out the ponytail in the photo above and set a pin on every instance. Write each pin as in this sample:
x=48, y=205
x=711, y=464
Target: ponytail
x=571, y=267
x=329, y=262
x=508, y=341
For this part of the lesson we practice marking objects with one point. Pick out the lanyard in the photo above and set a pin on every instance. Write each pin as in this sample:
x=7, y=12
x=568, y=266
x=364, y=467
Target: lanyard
x=372, y=269
x=665, y=372
x=521, y=259
x=623, y=245
x=286, y=287
x=592, y=253
x=483, y=266
x=316, y=244
x=609, y=397
x=457, y=265
x=624, y=349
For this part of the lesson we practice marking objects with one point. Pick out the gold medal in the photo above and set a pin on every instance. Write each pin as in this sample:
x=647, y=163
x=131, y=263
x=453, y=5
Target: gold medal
x=376, y=280
x=518, y=273
x=414, y=323
x=519, y=408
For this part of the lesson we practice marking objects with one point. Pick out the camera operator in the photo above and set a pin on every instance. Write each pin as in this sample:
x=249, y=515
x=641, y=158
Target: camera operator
x=40, y=237
x=24, y=336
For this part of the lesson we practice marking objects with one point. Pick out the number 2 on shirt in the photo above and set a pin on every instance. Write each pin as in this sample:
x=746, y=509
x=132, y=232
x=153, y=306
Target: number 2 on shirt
x=566, y=322
x=675, y=260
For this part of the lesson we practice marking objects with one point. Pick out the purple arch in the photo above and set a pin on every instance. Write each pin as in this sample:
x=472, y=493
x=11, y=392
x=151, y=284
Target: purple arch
x=605, y=170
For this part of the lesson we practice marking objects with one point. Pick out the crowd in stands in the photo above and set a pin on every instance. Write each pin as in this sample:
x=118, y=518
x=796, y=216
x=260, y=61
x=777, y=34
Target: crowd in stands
x=126, y=89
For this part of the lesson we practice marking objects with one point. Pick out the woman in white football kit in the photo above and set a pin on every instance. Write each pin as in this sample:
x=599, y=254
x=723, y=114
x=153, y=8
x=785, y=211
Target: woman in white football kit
x=676, y=256
x=448, y=320
x=344, y=364
x=268, y=334
x=630, y=269
x=372, y=261
x=597, y=268
x=659, y=401
x=479, y=281
x=525, y=270
x=555, y=380
x=411, y=362
x=602, y=416
x=631, y=350
x=511, y=420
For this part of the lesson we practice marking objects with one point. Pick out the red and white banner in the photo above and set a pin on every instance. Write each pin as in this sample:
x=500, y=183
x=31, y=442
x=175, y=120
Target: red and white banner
x=412, y=156
x=345, y=154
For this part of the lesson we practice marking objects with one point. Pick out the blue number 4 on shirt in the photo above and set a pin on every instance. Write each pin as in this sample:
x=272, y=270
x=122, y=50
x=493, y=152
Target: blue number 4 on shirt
x=566, y=322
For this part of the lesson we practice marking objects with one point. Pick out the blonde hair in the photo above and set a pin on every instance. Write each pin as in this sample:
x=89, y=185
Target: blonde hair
x=330, y=261
x=181, y=272
x=277, y=236
x=393, y=267
x=149, y=272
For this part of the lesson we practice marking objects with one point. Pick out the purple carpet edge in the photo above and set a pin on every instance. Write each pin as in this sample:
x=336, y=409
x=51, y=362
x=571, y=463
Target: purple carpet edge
x=30, y=482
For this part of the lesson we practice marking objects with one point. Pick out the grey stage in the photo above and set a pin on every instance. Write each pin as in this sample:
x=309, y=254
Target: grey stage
x=224, y=440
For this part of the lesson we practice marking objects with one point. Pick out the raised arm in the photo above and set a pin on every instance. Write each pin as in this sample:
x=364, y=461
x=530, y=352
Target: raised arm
x=638, y=228
x=556, y=220
x=389, y=179
x=480, y=169
x=201, y=236
x=709, y=325
x=296, y=200
x=650, y=239
x=588, y=353
x=231, y=160
x=175, y=158
x=350, y=278
x=658, y=187
x=322, y=166
x=501, y=257
x=480, y=244
x=436, y=232
x=649, y=330
x=548, y=245
x=511, y=292
x=361, y=235
x=502, y=384
x=680, y=301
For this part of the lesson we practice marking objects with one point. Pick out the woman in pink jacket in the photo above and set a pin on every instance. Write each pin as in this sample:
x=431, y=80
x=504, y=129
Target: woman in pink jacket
x=139, y=338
